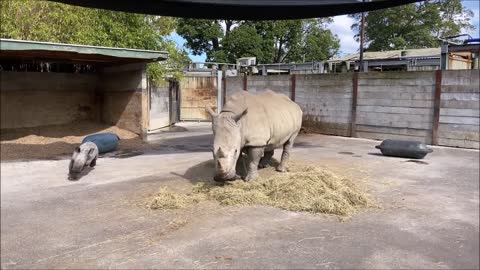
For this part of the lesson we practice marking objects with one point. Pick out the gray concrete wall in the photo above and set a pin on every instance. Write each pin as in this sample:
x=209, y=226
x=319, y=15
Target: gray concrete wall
x=326, y=101
x=278, y=83
x=390, y=105
x=30, y=99
x=124, y=98
x=395, y=105
x=459, y=109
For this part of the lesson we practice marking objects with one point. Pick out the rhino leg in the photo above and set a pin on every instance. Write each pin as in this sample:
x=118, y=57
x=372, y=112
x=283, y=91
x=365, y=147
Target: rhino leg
x=287, y=147
x=254, y=156
x=267, y=156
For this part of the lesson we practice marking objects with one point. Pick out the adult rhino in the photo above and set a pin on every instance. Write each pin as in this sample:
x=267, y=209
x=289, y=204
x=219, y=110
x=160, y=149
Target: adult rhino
x=255, y=124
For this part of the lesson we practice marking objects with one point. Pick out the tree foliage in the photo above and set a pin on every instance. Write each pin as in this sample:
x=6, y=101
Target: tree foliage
x=54, y=22
x=268, y=41
x=411, y=26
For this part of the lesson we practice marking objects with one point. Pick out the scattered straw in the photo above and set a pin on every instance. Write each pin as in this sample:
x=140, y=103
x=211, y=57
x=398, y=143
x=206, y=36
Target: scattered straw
x=48, y=142
x=166, y=199
x=307, y=189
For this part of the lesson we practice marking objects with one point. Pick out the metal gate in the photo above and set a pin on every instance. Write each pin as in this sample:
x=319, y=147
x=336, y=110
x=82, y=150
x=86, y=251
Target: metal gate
x=163, y=102
x=196, y=93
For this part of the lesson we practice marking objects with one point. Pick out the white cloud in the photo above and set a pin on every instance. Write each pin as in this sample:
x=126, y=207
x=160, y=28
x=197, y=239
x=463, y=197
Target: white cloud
x=341, y=27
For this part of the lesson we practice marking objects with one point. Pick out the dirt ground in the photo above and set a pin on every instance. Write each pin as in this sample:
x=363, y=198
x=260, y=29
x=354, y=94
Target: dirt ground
x=57, y=141
x=429, y=215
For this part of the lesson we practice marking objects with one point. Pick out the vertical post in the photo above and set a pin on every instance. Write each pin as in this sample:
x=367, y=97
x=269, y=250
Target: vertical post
x=436, y=106
x=224, y=80
x=353, y=122
x=362, y=30
x=444, y=57
x=144, y=110
x=219, y=91
x=245, y=82
x=293, y=79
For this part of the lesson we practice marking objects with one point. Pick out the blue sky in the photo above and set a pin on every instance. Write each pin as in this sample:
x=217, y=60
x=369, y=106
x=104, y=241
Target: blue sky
x=341, y=28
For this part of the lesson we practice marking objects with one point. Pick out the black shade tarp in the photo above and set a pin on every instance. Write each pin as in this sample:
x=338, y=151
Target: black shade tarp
x=240, y=9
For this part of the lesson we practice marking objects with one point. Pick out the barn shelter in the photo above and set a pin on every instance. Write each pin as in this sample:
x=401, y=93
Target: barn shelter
x=46, y=84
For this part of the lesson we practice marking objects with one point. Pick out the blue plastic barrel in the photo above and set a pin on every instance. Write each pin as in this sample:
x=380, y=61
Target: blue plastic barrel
x=106, y=142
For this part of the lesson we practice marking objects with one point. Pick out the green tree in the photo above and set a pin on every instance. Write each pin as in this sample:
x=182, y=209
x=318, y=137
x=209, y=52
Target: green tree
x=268, y=41
x=54, y=22
x=418, y=25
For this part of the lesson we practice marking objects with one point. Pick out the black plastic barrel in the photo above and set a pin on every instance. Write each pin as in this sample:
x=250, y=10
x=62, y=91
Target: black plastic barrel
x=405, y=149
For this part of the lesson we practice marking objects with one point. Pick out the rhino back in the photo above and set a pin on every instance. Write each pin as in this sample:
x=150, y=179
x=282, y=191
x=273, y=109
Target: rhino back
x=272, y=118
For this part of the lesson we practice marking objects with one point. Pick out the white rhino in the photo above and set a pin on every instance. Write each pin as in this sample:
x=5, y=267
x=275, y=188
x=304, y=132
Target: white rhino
x=256, y=124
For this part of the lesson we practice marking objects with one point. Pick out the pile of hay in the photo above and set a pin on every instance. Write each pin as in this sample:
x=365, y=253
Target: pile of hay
x=48, y=142
x=307, y=189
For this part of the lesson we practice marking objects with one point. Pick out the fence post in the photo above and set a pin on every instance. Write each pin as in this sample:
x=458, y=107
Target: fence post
x=353, y=124
x=436, y=106
x=293, y=79
x=245, y=82
x=224, y=96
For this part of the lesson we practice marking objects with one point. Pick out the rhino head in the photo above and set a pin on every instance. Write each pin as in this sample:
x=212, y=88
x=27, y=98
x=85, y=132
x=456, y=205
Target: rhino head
x=227, y=143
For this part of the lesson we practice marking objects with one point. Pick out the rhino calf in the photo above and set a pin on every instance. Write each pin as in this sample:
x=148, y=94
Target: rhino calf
x=84, y=155
x=256, y=124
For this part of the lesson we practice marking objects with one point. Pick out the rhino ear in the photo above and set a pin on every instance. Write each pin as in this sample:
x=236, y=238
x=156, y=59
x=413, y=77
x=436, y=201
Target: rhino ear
x=240, y=115
x=210, y=111
x=77, y=149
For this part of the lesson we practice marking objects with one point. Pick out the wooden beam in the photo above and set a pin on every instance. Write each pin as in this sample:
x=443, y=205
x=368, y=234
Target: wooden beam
x=353, y=122
x=293, y=79
x=436, y=106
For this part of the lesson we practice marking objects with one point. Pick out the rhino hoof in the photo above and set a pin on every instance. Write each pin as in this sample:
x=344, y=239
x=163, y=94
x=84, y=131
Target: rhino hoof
x=250, y=177
x=281, y=169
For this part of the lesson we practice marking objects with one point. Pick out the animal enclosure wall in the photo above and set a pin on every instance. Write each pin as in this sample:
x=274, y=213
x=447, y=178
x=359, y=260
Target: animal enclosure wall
x=124, y=102
x=31, y=99
x=114, y=96
x=196, y=93
x=434, y=107
x=460, y=109
x=395, y=106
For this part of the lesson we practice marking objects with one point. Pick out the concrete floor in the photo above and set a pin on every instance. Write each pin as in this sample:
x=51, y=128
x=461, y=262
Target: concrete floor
x=429, y=216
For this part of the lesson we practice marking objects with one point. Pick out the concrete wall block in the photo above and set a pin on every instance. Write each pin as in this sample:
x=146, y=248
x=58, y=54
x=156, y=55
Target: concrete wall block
x=394, y=95
x=460, y=104
x=121, y=81
x=428, y=89
x=400, y=110
x=401, y=75
x=460, y=96
x=458, y=127
x=46, y=81
x=471, y=88
x=459, y=112
x=393, y=130
x=396, y=103
x=459, y=135
x=382, y=136
x=390, y=123
x=459, y=120
x=394, y=117
x=458, y=143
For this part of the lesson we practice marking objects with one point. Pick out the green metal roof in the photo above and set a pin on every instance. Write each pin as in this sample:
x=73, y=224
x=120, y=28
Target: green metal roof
x=10, y=48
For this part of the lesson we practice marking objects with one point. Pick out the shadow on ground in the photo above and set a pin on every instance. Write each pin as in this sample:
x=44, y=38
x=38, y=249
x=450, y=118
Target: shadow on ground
x=204, y=171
